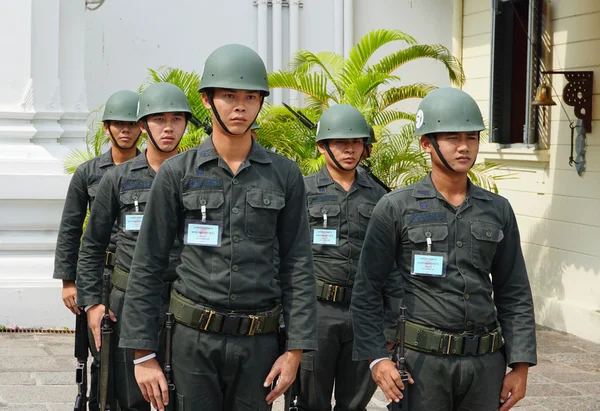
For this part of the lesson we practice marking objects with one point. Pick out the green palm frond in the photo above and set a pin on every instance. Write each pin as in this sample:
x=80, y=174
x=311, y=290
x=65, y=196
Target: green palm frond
x=192, y=139
x=312, y=84
x=396, y=94
x=75, y=158
x=360, y=91
x=366, y=47
x=330, y=63
x=388, y=116
x=390, y=63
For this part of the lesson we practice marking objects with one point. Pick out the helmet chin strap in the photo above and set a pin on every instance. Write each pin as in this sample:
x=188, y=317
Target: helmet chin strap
x=337, y=164
x=114, y=140
x=436, y=147
x=209, y=94
x=154, y=141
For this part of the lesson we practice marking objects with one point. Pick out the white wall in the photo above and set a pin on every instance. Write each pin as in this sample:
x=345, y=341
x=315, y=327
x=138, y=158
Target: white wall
x=64, y=61
x=124, y=39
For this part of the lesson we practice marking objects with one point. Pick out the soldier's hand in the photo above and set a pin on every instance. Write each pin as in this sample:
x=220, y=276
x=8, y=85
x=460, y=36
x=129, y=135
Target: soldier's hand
x=386, y=376
x=152, y=381
x=94, y=317
x=286, y=368
x=514, y=386
x=69, y=296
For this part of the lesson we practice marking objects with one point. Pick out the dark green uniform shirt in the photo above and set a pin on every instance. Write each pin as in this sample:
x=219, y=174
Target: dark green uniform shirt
x=261, y=206
x=80, y=196
x=480, y=237
x=116, y=197
x=348, y=212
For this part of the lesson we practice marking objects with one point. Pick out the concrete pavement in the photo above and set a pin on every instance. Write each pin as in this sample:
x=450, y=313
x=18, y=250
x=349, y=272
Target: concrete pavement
x=37, y=373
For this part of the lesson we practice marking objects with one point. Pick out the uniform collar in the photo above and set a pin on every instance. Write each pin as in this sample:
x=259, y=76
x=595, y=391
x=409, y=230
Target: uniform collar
x=140, y=161
x=323, y=177
x=106, y=159
x=362, y=178
x=426, y=189
x=206, y=152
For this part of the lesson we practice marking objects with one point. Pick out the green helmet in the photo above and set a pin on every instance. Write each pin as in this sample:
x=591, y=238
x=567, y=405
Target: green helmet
x=448, y=110
x=163, y=98
x=235, y=67
x=342, y=121
x=371, y=139
x=254, y=126
x=121, y=106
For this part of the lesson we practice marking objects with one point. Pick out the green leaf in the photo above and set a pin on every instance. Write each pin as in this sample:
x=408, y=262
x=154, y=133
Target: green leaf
x=390, y=63
x=311, y=84
x=388, y=116
x=397, y=94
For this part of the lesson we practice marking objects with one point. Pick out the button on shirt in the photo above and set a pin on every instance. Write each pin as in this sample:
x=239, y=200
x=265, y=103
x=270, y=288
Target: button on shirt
x=462, y=300
x=198, y=185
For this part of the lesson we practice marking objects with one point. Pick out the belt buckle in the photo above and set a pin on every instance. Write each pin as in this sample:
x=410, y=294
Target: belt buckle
x=471, y=344
x=253, y=324
x=210, y=315
x=449, y=343
x=493, y=334
x=107, y=258
x=332, y=289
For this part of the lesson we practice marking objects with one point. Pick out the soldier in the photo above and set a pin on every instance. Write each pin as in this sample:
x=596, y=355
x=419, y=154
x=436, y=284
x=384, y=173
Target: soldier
x=232, y=203
x=340, y=201
x=447, y=236
x=122, y=197
x=120, y=116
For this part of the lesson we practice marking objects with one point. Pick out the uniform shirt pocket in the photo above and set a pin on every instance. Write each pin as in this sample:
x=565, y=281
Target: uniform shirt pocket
x=317, y=211
x=365, y=210
x=485, y=237
x=262, y=211
x=212, y=200
x=438, y=234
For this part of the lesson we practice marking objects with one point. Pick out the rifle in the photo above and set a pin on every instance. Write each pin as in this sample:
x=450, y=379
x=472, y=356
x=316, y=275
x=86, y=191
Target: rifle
x=201, y=124
x=81, y=353
x=301, y=117
x=168, y=370
x=291, y=399
x=107, y=330
x=401, y=364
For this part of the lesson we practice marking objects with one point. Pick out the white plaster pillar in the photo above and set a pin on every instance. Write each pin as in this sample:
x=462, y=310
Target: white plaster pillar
x=294, y=42
x=36, y=38
x=277, y=94
x=338, y=27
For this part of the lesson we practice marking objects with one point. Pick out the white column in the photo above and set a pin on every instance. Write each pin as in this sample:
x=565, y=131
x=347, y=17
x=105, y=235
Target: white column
x=294, y=42
x=338, y=27
x=277, y=46
x=32, y=180
x=348, y=26
x=457, y=30
x=263, y=26
x=73, y=88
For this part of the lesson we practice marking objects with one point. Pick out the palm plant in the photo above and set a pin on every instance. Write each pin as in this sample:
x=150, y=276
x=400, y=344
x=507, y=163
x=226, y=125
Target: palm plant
x=327, y=78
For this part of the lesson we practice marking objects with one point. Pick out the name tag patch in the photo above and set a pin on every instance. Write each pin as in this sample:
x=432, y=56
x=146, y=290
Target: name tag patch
x=203, y=233
x=429, y=264
x=133, y=221
x=325, y=236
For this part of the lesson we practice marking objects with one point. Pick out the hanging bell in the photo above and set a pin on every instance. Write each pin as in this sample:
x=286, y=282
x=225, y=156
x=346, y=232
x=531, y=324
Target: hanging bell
x=543, y=96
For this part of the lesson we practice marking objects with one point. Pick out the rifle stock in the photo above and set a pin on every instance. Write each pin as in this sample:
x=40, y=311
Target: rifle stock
x=401, y=364
x=106, y=330
x=81, y=353
x=168, y=370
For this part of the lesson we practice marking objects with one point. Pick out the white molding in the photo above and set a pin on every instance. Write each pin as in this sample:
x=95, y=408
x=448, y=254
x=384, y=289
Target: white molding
x=516, y=152
x=27, y=99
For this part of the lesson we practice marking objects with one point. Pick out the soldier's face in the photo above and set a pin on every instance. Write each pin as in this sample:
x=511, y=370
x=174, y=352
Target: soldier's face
x=237, y=108
x=348, y=152
x=125, y=133
x=459, y=149
x=167, y=129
